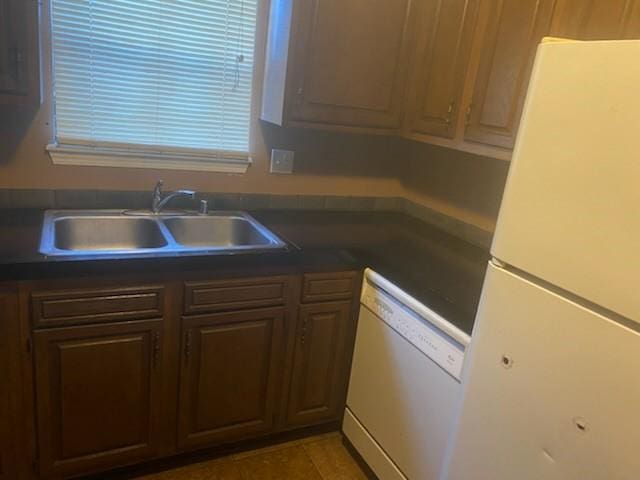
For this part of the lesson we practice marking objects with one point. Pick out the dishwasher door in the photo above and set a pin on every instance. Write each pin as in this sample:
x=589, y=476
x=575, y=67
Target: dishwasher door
x=400, y=406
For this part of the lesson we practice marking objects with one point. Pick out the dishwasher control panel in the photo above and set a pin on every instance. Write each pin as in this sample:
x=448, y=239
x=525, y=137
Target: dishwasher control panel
x=416, y=329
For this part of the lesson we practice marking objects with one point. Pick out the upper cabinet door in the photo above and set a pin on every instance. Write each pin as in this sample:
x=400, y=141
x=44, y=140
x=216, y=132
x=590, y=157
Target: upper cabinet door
x=350, y=62
x=598, y=19
x=443, y=37
x=19, y=75
x=506, y=51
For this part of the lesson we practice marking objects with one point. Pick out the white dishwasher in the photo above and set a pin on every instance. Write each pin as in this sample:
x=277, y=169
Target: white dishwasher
x=405, y=383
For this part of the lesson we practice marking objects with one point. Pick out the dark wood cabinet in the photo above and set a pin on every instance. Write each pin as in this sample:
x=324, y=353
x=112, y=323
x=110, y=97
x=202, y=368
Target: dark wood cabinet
x=233, y=294
x=337, y=64
x=320, y=363
x=442, y=46
x=322, y=287
x=96, y=305
x=125, y=372
x=453, y=73
x=506, y=47
x=98, y=396
x=597, y=19
x=9, y=430
x=19, y=53
x=229, y=375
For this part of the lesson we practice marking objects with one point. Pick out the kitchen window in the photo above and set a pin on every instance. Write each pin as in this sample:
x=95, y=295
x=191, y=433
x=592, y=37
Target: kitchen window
x=153, y=83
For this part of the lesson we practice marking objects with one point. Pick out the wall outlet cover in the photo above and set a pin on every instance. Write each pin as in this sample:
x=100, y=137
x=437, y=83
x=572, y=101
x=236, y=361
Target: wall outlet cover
x=281, y=161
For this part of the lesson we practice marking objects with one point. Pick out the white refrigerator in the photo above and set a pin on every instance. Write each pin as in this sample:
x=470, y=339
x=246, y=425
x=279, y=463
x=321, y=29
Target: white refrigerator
x=551, y=389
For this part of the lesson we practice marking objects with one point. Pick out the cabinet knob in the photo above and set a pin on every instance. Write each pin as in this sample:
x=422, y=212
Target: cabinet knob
x=467, y=115
x=449, y=118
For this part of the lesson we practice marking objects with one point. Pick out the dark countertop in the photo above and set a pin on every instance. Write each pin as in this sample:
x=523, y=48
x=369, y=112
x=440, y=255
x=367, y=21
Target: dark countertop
x=438, y=269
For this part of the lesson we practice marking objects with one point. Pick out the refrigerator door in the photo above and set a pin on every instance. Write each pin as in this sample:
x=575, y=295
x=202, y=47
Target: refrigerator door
x=571, y=210
x=551, y=391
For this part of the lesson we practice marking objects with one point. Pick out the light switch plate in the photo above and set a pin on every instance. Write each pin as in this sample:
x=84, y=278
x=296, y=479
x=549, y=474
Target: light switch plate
x=281, y=161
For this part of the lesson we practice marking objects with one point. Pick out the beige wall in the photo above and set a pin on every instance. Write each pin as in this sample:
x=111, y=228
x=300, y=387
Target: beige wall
x=454, y=183
x=326, y=163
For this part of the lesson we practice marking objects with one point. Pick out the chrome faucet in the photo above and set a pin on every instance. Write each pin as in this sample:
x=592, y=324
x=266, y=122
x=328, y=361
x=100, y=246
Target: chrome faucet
x=159, y=201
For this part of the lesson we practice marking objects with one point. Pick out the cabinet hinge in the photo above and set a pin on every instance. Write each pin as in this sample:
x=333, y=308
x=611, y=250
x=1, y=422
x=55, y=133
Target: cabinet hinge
x=303, y=335
x=36, y=466
x=156, y=349
x=187, y=344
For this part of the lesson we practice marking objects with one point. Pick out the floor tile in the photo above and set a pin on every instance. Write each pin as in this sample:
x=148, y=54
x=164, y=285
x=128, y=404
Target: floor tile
x=289, y=463
x=263, y=450
x=322, y=436
x=224, y=469
x=332, y=459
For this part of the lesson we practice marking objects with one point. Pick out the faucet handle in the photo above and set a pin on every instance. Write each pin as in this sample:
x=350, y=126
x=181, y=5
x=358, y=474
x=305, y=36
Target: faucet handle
x=204, y=208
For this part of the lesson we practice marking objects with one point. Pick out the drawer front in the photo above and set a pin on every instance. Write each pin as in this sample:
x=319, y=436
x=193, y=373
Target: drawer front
x=320, y=287
x=85, y=306
x=220, y=295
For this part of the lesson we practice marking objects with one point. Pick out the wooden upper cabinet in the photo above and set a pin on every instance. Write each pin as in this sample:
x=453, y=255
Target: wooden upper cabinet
x=19, y=57
x=597, y=19
x=338, y=64
x=229, y=375
x=506, y=49
x=443, y=40
x=98, y=394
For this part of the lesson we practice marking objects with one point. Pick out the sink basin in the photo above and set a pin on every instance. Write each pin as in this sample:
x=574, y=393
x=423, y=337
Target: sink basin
x=218, y=231
x=107, y=233
x=100, y=233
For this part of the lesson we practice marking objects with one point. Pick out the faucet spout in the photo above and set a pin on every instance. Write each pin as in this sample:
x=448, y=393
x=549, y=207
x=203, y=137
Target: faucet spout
x=159, y=201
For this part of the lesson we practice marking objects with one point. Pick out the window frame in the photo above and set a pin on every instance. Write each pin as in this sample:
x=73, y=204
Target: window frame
x=122, y=155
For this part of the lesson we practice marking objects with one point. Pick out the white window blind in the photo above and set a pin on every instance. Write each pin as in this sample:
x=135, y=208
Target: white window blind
x=158, y=82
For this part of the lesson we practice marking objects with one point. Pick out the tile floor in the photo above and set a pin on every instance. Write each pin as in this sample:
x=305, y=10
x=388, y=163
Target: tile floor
x=322, y=457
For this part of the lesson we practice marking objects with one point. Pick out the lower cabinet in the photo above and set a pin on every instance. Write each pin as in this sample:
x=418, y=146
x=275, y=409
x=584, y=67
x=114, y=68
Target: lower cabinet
x=97, y=390
x=128, y=373
x=229, y=375
x=320, y=363
x=8, y=430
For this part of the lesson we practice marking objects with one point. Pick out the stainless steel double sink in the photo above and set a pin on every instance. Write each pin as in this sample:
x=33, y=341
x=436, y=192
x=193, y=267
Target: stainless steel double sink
x=118, y=232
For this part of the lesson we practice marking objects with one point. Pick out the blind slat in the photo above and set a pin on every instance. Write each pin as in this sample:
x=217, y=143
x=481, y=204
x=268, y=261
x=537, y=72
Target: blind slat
x=154, y=72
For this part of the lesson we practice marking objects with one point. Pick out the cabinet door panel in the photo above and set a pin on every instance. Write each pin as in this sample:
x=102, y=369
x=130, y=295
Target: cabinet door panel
x=19, y=52
x=8, y=372
x=507, y=49
x=444, y=35
x=319, y=366
x=97, y=396
x=598, y=19
x=350, y=62
x=229, y=375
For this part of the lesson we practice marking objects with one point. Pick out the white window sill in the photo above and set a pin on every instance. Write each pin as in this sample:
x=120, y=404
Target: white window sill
x=81, y=155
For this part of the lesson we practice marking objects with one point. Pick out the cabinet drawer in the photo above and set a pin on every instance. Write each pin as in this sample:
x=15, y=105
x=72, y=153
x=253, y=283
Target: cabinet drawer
x=319, y=287
x=83, y=306
x=234, y=294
